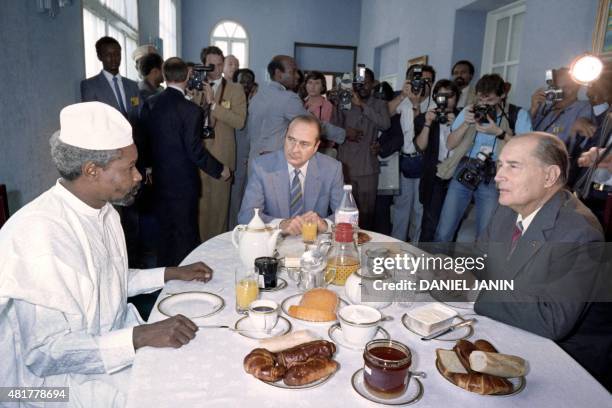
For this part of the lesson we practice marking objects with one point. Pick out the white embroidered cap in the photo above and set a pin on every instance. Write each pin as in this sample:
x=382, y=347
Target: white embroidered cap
x=94, y=126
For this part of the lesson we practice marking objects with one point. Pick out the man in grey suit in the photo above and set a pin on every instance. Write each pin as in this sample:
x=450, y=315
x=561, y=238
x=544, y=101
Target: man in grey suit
x=294, y=184
x=275, y=105
x=109, y=86
x=549, y=243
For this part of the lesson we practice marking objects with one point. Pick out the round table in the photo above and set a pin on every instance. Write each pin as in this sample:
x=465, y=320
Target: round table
x=209, y=372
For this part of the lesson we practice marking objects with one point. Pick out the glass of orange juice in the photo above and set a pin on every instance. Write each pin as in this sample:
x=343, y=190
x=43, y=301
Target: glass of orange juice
x=309, y=231
x=247, y=288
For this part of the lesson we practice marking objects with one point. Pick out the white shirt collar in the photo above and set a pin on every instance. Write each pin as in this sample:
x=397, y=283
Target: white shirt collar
x=302, y=169
x=178, y=88
x=527, y=220
x=110, y=76
x=77, y=204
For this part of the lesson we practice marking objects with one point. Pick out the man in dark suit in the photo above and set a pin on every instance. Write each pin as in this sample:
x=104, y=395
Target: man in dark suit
x=550, y=244
x=109, y=86
x=294, y=184
x=173, y=134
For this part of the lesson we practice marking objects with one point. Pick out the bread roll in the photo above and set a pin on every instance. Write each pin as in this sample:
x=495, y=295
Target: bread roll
x=501, y=365
x=303, y=352
x=484, y=345
x=309, y=371
x=289, y=340
x=464, y=348
x=316, y=305
x=449, y=362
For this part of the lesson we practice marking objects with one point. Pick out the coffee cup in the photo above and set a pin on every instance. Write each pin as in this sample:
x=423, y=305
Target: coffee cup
x=359, y=323
x=263, y=314
x=267, y=268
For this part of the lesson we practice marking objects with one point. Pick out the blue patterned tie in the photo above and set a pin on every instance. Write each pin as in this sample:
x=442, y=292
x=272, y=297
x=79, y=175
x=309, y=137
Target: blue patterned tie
x=296, y=203
x=119, y=97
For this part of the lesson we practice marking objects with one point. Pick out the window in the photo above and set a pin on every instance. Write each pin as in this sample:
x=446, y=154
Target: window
x=232, y=39
x=117, y=19
x=167, y=27
x=502, y=43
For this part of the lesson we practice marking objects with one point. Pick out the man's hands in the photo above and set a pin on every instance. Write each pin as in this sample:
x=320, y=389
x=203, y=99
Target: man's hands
x=198, y=271
x=173, y=332
x=430, y=116
x=538, y=98
x=293, y=226
x=354, y=135
x=469, y=115
x=589, y=157
x=356, y=100
x=209, y=94
x=583, y=127
x=226, y=174
x=490, y=128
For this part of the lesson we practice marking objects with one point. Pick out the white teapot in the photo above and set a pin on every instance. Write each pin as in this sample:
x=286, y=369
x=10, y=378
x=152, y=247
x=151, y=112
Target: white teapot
x=254, y=240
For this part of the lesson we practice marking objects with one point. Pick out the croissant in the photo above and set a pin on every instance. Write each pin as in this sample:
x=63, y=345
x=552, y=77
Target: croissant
x=263, y=364
x=309, y=371
x=303, y=352
x=484, y=384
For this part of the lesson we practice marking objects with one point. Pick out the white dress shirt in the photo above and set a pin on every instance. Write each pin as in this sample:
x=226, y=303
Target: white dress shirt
x=109, y=77
x=407, y=122
x=526, y=222
x=64, y=283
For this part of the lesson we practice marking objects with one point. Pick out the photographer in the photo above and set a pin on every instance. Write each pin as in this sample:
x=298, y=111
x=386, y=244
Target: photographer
x=556, y=116
x=224, y=104
x=362, y=122
x=433, y=128
x=415, y=98
x=478, y=134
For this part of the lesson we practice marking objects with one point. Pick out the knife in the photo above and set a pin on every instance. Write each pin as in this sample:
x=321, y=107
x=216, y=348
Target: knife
x=448, y=329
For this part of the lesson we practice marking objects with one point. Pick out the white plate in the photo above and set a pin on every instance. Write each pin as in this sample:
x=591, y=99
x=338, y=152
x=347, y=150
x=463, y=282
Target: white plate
x=413, y=393
x=518, y=384
x=191, y=304
x=283, y=326
x=457, y=334
x=295, y=300
x=280, y=285
x=281, y=383
x=335, y=334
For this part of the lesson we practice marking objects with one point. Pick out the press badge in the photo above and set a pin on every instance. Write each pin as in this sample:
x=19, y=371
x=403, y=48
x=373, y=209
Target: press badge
x=226, y=104
x=134, y=101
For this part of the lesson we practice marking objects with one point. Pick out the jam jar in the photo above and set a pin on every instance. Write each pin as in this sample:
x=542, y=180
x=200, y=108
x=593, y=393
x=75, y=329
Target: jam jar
x=386, y=368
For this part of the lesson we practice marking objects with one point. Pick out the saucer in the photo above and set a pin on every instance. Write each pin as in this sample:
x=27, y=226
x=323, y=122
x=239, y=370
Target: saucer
x=413, y=393
x=280, y=285
x=335, y=334
x=283, y=326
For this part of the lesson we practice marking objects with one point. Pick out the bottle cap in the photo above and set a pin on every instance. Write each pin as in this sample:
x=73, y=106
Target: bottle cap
x=344, y=232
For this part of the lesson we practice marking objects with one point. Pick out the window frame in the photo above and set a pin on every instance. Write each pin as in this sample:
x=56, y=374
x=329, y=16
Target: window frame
x=230, y=40
x=176, y=29
x=119, y=23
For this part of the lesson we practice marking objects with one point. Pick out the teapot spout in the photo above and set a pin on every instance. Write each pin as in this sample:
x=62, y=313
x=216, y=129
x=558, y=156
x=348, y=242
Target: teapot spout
x=272, y=240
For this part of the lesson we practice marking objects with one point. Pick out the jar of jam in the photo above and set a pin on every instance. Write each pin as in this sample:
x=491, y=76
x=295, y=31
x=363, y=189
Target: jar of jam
x=386, y=368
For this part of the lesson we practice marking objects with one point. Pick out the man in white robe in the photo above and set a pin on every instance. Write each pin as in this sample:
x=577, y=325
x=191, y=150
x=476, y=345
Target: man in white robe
x=64, y=277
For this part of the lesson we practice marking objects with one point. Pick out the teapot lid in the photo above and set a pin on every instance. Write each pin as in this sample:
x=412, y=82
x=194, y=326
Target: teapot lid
x=256, y=222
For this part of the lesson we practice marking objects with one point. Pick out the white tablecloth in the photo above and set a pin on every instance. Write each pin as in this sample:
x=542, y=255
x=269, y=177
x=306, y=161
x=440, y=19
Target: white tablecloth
x=208, y=371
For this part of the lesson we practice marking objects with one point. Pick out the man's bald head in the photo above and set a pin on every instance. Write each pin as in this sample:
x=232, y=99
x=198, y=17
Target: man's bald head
x=282, y=69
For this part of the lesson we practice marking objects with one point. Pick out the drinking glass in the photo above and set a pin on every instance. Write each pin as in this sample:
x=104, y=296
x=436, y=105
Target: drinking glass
x=247, y=288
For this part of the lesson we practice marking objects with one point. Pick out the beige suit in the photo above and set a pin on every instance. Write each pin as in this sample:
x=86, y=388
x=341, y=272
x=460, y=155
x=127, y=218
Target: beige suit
x=229, y=114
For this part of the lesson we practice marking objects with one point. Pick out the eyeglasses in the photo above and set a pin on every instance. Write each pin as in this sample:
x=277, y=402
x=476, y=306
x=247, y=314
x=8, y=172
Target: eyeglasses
x=302, y=145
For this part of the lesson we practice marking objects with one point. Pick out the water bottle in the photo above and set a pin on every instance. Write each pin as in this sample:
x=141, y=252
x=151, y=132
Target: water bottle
x=348, y=211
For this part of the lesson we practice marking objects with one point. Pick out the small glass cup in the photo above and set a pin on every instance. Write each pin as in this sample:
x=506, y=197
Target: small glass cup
x=247, y=288
x=309, y=231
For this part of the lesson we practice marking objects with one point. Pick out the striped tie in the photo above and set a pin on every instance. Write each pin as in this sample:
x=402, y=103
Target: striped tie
x=119, y=97
x=296, y=204
x=516, y=235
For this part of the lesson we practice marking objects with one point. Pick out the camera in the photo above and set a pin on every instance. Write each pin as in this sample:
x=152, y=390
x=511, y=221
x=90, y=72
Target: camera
x=343, y=93
x=418, y=84
x=482, y=113
x=441, y=100
x=477, y=170
x=198, y=76
x=553, y=92
x=360, y=78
